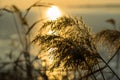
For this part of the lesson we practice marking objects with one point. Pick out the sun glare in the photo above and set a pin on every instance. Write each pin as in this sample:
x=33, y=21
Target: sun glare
x=53, y=13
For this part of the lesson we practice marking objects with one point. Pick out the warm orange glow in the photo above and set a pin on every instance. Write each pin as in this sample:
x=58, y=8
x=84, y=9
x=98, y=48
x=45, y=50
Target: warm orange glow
x=53, y=13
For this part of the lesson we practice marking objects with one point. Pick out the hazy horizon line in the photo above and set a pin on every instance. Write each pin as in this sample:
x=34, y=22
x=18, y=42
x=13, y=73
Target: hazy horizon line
x=96, y=6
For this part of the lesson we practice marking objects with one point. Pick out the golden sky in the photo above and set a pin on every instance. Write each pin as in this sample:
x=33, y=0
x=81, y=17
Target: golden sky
x=82, y=2
x=62, y=3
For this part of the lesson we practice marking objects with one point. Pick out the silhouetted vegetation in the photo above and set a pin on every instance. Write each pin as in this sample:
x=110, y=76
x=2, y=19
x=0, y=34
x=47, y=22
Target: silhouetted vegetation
x=68, y=50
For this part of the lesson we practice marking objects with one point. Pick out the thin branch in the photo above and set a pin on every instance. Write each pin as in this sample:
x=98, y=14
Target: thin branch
x=109, y=68
x=32, y=26
x=94, y=72
x=18, y=31
x=35, y=5
x=101, y=72
x=91, y=70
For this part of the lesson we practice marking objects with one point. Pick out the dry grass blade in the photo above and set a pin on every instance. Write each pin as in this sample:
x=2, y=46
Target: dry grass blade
x=32, y=26
x=7, y=10
x=36, y=5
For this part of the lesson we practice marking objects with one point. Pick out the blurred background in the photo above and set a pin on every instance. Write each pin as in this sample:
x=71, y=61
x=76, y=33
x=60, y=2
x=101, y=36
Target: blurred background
x=94, y=13
x=97, y=14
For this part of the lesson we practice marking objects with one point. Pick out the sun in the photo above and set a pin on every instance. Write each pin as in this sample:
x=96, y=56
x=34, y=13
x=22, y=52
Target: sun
x=53, y=13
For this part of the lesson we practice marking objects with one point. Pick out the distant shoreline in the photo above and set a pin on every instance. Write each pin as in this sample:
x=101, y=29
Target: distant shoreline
x=97, y=6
